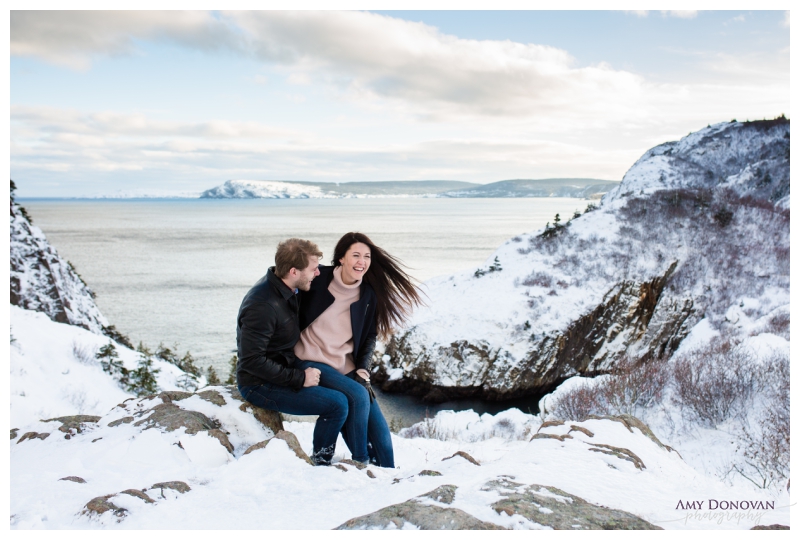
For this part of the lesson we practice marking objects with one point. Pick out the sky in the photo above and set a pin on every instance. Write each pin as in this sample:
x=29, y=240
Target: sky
x=103, y=103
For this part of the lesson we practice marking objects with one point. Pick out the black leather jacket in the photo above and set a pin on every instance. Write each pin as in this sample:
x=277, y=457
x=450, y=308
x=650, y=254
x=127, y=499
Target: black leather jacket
x=266, y=332
x=362, y=314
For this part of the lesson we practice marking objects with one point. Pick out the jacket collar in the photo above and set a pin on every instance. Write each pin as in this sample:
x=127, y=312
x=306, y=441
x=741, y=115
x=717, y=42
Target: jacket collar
x=278, y=283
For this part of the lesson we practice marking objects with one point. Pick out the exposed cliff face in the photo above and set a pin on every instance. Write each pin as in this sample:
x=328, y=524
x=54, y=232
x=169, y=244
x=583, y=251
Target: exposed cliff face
x=42, y=281
x=695, y=227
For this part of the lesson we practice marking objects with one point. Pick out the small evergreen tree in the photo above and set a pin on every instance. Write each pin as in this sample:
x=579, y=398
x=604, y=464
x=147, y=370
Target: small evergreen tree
x=143, y=379
x=557, y=221
x=109, y=360
x=211, y=375
x=232, y=373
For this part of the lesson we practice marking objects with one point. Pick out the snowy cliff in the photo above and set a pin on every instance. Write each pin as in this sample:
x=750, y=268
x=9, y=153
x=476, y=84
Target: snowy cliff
x=695, y=228
x=42, y=281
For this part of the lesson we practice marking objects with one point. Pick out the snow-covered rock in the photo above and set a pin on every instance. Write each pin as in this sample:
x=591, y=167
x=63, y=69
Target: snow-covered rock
x=42, y=281
x=695, y=227
x=124, y=471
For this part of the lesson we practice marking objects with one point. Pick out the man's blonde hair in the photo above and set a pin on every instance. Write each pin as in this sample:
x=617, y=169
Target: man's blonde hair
x=294, y=253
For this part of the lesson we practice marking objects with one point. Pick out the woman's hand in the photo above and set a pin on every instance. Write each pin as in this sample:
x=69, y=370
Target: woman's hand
x=363, y=373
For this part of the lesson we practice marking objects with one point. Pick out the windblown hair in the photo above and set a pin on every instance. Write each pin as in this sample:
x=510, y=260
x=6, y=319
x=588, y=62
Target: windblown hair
x=294, y=253
x=397, y=294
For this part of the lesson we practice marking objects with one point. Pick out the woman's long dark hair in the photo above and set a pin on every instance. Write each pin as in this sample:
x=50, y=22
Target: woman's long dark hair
x=397, y=294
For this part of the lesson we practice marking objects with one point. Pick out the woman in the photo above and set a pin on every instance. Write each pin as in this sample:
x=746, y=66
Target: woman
x=362, y=296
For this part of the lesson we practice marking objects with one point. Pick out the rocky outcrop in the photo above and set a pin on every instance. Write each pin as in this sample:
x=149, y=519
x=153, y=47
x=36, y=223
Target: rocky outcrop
x=101, y=505
x=627, y=279
x=554, y=508
x=42, y=281
x=417, y=513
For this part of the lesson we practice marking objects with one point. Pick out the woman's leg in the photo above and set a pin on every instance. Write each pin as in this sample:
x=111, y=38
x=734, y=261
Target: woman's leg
x=354, y=430
x=381, y=452
x=330, y=405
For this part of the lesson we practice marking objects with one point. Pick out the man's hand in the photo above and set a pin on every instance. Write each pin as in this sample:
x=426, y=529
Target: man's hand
x=312, y=377
x=364, y=374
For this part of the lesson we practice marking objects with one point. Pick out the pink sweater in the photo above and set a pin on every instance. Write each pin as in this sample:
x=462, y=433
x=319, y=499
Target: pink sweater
x=329, y=339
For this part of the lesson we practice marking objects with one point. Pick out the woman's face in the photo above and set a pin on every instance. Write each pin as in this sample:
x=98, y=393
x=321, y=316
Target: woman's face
x=355, y=263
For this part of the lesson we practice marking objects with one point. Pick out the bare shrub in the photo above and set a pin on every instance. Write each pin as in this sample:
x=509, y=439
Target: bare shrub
x=714, y=383
x=538, y=279
x=635, y=385
x=765, y=443
x=579, y=403
x=779, y=325
x=83, y=354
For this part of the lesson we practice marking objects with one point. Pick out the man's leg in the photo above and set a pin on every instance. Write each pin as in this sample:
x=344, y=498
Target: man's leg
x=355, y=427
x=330, y=405
x=381, y=452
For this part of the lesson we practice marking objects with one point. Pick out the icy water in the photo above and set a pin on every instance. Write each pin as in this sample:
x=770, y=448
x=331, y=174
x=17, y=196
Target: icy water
x=175, y=271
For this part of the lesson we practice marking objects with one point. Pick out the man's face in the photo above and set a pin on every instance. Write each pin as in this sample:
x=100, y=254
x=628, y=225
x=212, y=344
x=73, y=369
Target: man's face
x=303, y=278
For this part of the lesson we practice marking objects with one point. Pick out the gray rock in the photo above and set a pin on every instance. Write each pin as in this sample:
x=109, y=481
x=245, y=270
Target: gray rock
x=269, y=419
x=773, y=527
x=74, y=424
x=290, y=440
x=168, y=396
x=76, y=479
x=101, y=505
x=561, y=438
x=138, y=494
x=417, y=514
x=171, y=417
x=258, y=446
x=14, y=433
x=125, y=420
x=33, y=435
x=356, y=464
x=176, y=485
x=558, y=509
x=465, y=456
x=631, y=422
x=212, y=396
x=428, y=472
x=222, y=438
x=621, y=453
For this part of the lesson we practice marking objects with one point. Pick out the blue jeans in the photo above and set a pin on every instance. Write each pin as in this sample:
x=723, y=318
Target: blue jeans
x=365, y=431
x=330, y=405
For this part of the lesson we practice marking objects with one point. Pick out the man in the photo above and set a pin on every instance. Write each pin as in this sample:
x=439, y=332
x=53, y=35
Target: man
x=268, y=373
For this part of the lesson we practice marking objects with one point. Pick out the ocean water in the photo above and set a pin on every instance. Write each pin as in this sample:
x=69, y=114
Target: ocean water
x=176, y=270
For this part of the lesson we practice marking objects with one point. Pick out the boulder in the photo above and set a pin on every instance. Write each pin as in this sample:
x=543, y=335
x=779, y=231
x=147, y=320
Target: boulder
x=176, y=485
x=74, y=424
x=289, y=438
x=417, y=514
x=33, y=435
x=557, y=509
x=101, y=505
x=171, y=417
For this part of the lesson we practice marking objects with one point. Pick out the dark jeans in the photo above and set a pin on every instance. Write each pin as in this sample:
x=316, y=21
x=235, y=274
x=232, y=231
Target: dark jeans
x=365, y=431
x=330, y=405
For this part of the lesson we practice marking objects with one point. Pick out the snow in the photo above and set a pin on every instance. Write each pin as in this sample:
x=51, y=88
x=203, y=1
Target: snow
x=59, y=375
x=273, y=489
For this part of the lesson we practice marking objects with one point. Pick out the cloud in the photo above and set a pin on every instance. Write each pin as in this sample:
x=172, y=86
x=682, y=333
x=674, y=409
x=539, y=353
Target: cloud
x=786, y=20
x=685, y=14
x=73, y=38
x=364, y=57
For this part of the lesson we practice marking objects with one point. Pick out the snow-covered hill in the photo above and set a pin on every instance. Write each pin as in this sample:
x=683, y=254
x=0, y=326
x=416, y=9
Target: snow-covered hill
x=55, y=372
x=259, y=189
x=695, y=227
x=42, y=281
